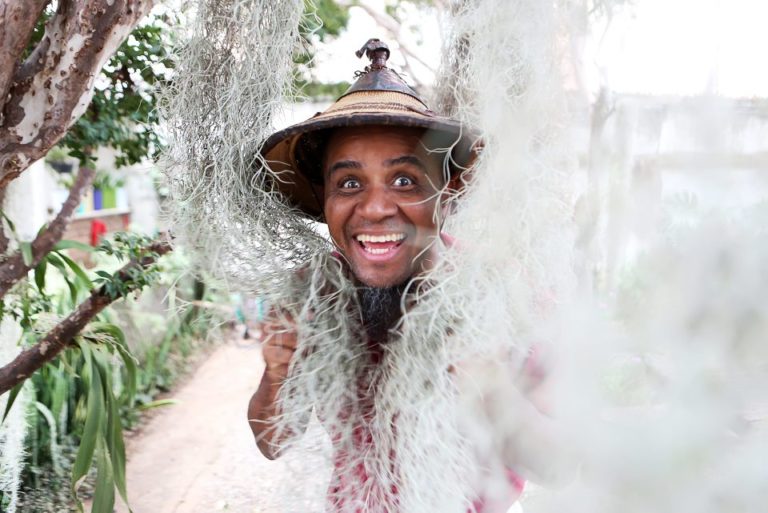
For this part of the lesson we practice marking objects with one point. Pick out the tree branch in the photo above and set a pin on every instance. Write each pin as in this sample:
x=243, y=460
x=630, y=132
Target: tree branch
x=17, y=22
x=3, y=237
x=56, y=340
x=14, y=269
x=53, y=88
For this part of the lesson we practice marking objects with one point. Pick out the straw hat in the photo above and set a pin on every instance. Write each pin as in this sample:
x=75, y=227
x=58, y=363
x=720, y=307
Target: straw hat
x=378, y=97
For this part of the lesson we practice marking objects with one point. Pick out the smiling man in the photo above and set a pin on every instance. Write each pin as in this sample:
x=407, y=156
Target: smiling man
x=375, y=167
x=381, y=188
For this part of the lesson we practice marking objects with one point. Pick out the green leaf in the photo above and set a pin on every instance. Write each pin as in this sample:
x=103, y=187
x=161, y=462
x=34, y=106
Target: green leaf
x=60, y=389
x=10, y=223
x=72, y=290
x=158, y=403
x=45, y=412
x=40, y=275
x=94, y=422
x=26, y=252
x=84, y=279
x=72, y=244
x=104, y=494
x=42, y=229
x=117, y=450
x=129, y=360
x=11, y=398
x=43, y=409
x=55, y=260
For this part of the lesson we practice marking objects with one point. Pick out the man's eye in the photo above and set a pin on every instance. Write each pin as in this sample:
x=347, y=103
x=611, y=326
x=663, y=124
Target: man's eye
x=349, y=183
x=403, y=181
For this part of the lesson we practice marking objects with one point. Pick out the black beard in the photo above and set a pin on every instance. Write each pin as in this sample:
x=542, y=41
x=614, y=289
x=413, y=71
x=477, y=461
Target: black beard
x=380, y=310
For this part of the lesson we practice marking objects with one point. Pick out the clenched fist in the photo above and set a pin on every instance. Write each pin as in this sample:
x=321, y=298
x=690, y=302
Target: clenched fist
x=279, y=345
x=279, y=342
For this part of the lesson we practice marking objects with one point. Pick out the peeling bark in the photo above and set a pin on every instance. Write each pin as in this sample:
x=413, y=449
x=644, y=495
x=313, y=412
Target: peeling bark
x=56, y=340
x=4, y=241
x=17, y=20
x=14, y=269
x=52, y=88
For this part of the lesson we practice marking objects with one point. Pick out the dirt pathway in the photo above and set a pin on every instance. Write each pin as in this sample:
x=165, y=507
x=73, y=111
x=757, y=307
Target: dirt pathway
x=199, y=455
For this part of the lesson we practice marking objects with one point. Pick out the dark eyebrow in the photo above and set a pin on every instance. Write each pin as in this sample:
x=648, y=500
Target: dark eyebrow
x=406, y=159
x=344, y=164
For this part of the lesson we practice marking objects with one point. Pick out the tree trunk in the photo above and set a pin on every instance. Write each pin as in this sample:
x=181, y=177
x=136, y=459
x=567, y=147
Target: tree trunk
x=50, y=89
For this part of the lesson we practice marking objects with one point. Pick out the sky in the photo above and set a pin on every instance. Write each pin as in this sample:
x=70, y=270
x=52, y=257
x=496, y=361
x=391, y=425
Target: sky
x=682, y=47
x=687, y=47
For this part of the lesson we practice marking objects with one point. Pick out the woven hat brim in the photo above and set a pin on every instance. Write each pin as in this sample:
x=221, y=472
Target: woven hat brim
x=295, y=178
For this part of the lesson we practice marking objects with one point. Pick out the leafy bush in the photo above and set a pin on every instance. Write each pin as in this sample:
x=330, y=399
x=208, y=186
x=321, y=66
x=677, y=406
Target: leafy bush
x=82, y=400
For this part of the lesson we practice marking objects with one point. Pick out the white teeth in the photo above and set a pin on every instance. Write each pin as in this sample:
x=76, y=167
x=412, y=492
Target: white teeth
x=376, y=251
x=390, y=237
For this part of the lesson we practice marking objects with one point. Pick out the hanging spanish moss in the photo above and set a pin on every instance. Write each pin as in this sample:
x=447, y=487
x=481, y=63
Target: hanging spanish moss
x=14, y=429
x=234, y=72
x=484, y=295
x=448, y=415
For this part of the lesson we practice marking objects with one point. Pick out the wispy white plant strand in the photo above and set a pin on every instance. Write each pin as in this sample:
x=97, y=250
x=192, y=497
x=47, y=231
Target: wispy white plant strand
x=511, y=262
x=234, y=73
x=483, y=297
x=14, y=428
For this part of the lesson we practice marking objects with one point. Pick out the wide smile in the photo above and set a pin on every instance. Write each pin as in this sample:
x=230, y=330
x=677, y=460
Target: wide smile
x=379, y=247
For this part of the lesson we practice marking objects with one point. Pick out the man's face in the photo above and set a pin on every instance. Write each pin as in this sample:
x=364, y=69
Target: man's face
x=381, y=189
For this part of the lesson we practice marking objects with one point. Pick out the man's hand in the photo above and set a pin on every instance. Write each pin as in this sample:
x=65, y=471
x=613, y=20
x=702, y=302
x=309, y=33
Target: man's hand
x=494, y=408
x=279, y=344
x=279, y=341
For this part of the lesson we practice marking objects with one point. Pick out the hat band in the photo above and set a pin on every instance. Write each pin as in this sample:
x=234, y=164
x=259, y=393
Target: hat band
x=380, y=106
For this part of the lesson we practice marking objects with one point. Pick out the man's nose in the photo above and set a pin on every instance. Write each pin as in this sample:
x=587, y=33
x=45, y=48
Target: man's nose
x=377, y=204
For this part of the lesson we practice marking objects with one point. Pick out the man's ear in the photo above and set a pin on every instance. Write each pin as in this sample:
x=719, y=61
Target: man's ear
x=455, y=187
x=318, y=191
x=450, y=190
x=454, y=184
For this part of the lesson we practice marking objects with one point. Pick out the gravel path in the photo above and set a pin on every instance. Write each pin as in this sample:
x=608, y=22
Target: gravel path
x=199, y=455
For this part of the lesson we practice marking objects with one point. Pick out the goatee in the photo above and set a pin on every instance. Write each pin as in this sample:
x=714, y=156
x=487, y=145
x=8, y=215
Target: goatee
x=380, y=309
